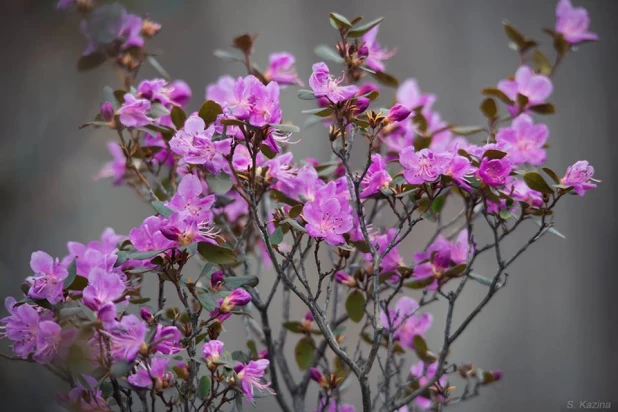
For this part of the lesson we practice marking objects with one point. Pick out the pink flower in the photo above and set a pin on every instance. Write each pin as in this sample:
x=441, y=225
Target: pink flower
x=519, y=190
x=281, y=69
x=328, y=217
x=127, y=338
x=212, y=350
x=166, y=340
x=376, y=178
x=410, y=95
x=176, y=93
x=418, y=371
x=345, y=279
x=525, y=140
x=115, y=168
x=88, y=399
x=193, y=142
x=573, y=22
x=495, y=171
x=21, y=327
x=579, y=175
x=48, y=280
x=458, y=169
x=422, y=166
x=238, y=297
x=155, y=373
x=405, y=322
x=398, y=113
x=254, y=102
x=325, y=85
x=536, y=87
x=103, y=287
x=333, y=407
x=48, y=341
x=251, y=378
x=377, y=55
x=188, y=200
x=148, y=235
x=134, y=112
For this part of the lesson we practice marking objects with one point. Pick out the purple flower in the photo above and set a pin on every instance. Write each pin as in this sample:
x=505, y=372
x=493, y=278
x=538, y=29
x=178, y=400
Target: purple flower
x=48, y=341
x=212, y=352
x=519, y=190
x=194, y=142
x=281, y=69
x=64, y=4
x=216, y=280
x=103, y=287
x=176, y=93
x=422, y=166
x=376, y=178
x=573, y=22
x=127, y=338
x=376, y=54
x=410, y=95
x=187, y=201
x=21, y=327
x=155, y=373
x=458, y=169
x=166, y=340
x=525, y=140
x=222, y=91
x=251, y=375
x=131, y=31
x=328, y=217
x=115, y=168
x=238, y=297
x=495, y=171
x=405, y=321
x=107, y=111
x=254, y=102
x=146, y=314
x=345, y=279
x=134, y=112
x=148, y=235
x=536, y=87
x=179, y=93
x=88, y=399
x=333, y=407
x=48, y=280
x=579, y=175
x=398, y=113
x=418, y=371
x=325, y=85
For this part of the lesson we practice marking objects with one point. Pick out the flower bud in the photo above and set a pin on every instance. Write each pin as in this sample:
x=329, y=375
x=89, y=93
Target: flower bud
x=363, y=51
x=150, y=28
x=263, y=354
x=398, y=113
x=361, y=104
x=145, y=314
x=216, y=280
x=107, y=111
x=345, y=279
x=182, y=370
x=309, y=317
x=212, y=352
x=171, y=233
x=239, y=297
x=316, y=375
x=214, y=329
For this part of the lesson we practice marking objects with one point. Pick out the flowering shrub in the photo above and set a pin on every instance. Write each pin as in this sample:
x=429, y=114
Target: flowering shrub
x=227, y=195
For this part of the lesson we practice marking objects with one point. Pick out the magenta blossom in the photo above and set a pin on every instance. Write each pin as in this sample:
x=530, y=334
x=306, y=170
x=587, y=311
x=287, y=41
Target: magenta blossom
x=127, y=338
x=103, y=287
x=188, y=202
x=536, y=87
x=519, y=190
x=154, y=374
x=573, y=23
x=281, y=69
x=495, y=171
x=579, y=175
x=212, y=352
x=21, y=327
x=251, y=378
x=325, y=85
x=418, y=371
x=410, y=95
x=48, y=280
x=238, y=297
x=405, y=321
x=422, y=166
x=166, y=340
x=87, y=398
x=256, y=103
x=48, y=341
x=333, y=407
x=148, y=235
x=115, y=168
x=376, y=54
x=376, y=178
x=328, y=217
x=398, y=113
x=345, y=279
x=176, y=93
x=194, y=142
x=525, y=140
x=134, y=111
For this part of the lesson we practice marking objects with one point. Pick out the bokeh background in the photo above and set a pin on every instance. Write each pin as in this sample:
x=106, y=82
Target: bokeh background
x=552, y=331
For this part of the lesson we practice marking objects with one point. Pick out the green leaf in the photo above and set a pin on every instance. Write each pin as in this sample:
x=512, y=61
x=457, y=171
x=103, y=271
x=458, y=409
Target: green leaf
x=386, y=79
x=438, y=204
x=161, y=209
x=420, y=347
x=514, y=35
x=120, y=369
x=364, y=28
x=252, y=348
x=536, y=182
x=178, y=117
x=203, y=388
x=157, y=66
x=339, y=22
x=235, y=282
x=158, y=110
x=217, y=254
x=295, y=225
x=545, y=108
x=492, y=154
x=306, y=94
x=295, y=211
x=294, y=327
x=207, y=300
x=361, y=245
x=420, y=283
x=320, y=111
x=229, y=55
x=543, y=64
x=466, y=130
x=552, y=175
x=522, y=100
x=489, y=108
x=285, y=127
x=277, y=236
x=79, y=283
x=219, y=184
x=72, y=270
x=209, y=112
x=505, y=214
x=455, y=271
x=328, y=53
x=355, y=306
x=303, y=352
x=91, y=61
x=495, y=92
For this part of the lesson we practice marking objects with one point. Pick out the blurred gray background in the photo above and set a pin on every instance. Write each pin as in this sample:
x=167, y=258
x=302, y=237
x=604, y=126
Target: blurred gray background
x=552, y=331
